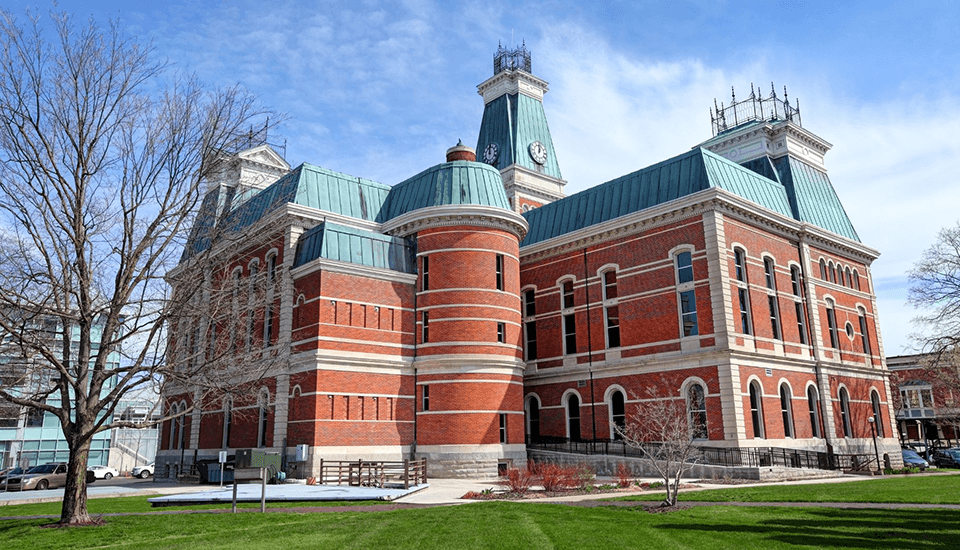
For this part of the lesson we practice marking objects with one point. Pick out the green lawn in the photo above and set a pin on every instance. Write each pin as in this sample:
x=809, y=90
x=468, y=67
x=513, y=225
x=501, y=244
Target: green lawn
x=504, y=525
x=114, y=505
x=938, y=489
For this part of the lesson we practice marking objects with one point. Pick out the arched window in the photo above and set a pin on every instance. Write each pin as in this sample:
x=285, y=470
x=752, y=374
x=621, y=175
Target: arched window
x=227, y=421
x=849, y=277
x=813, y=404
x=786, y=410
x=530, y=324
x=840, y=279
x=533, y=419
x=174, y=423
x=263, y=410
x=823, y=270
x=845, y=413
x=573, y=417
x=180, y=425
x=877, y=412
x=686, y=294
x=833, y=272
x=618, y=414
x=697, y=410
x=856, y=280
x=756, y=409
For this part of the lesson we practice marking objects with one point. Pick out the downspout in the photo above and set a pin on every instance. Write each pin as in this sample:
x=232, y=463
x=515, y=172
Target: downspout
x=586, y=291
x=416, y=313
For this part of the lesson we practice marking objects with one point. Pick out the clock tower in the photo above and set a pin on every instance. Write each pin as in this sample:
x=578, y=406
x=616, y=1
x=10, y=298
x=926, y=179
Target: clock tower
x=514, y=136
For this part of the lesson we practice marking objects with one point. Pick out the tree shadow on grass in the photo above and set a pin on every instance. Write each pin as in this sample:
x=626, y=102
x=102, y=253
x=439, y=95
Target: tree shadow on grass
x=834, y=528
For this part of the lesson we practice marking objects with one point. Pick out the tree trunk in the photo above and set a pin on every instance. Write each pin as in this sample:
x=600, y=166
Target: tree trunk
x=74, y=511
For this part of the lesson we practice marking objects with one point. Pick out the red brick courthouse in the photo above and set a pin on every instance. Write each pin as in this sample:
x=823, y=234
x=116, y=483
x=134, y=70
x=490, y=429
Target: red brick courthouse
x=474, y=307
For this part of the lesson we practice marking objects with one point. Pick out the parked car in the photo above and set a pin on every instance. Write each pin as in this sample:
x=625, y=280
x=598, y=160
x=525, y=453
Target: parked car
x=143, y=472
x=7, y=473
x=912, y=460
x=44, y=476
x=947, y=458
x=104, y=472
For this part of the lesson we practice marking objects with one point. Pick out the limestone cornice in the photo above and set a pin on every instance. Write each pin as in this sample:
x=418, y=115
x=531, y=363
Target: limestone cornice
x=512, y=82
x=355, y=362
x=335, y=266
x=468, y=364
x=692, y=205
x=770, y=131
x=456, y=214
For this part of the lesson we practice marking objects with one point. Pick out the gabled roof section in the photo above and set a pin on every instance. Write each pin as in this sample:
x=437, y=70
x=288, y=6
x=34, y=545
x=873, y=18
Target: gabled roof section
x=813, y=198
x=457, y=182
x=671, y=179
x=306, y=185
x=513, y=122
x=356, y=246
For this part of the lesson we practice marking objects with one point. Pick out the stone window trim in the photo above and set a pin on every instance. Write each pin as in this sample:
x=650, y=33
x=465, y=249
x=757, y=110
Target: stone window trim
x=843, y=397
x=813, y=409
x=567, y=286
x=786, y=409
x=877, y=409
x=755, y=392
x=695, y=393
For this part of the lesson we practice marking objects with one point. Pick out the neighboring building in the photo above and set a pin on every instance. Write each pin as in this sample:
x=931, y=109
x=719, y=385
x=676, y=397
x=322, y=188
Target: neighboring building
x=472, y=307
x=29, y=437
x=131, y=447
x=926, y=409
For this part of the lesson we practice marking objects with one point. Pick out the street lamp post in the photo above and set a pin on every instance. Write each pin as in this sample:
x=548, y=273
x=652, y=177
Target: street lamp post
x=876, y=450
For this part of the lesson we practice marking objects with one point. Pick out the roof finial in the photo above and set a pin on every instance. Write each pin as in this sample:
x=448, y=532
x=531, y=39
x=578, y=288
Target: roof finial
x=733, y=95
x=773, y=91
x=752, y=95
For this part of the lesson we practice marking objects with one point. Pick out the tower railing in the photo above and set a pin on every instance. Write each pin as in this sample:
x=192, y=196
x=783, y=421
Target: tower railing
x=753, y=108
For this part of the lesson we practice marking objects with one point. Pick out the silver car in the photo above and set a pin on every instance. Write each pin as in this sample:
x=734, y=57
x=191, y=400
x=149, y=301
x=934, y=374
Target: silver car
x=44, y=476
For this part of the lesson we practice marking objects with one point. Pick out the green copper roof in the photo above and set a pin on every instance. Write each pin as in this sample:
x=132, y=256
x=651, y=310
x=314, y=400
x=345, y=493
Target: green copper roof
x=347, y=244
x=513, y=122
x=671, y=179
x=813, y=197
x=457, y=182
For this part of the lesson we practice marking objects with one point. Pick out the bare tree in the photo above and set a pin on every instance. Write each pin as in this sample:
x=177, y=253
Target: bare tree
x=935, y=288
x=104, y=156
x=663, y=431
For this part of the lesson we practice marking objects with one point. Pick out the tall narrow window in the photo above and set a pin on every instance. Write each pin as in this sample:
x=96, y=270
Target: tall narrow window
x=499, y=271
x=743, y=293
x=227, y=422
x=856, y=280
x=613, y=326
x=573, y=418
x=832, y=326
x=823, y=270
x=697, y=410
x=567, y=294
x=264, y=410
x=801, y=323
x=425, y=328
x=833, y=272
x=533, y=419
x=795, y=283
x=684, y=268
x=425, y=269
x=864, y=332
x=612, y=309
x=530, y=324
x=610, y=285
x=877, y=413
x=813, y=405
x=786, y=410
x=840, y=278
x=529, y=303
x=503, y=428
x=268, y=325
x=845, y=413
x=849, y=277
x=501, y=332
x=251, y=318
x=569, y=334
x=756, y=409
x=618, y=414
x=425, y=395
x=272, y=268
x=770, y=273
x=688, y=313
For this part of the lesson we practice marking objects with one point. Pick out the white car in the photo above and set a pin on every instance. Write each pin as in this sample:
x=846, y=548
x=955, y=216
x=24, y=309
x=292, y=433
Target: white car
x=104, y=472
x=143, y=472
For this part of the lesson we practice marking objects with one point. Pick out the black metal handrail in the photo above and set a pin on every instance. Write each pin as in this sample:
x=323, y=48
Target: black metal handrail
x=755, y=457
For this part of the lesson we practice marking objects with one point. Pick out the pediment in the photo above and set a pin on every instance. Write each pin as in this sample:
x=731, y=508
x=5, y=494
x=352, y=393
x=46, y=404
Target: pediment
x=264, y=154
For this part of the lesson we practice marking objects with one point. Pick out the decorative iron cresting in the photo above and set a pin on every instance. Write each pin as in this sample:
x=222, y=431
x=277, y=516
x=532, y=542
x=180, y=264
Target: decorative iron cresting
x=754, y=108
x=512, y=60
x=255, y=137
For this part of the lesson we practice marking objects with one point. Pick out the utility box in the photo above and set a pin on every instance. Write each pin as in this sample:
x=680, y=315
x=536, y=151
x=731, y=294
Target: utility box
x=303, y=453
x=257, y=458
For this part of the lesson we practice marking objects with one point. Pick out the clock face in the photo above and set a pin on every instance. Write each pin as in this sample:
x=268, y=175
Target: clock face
x=538, y=152
x=491, y=153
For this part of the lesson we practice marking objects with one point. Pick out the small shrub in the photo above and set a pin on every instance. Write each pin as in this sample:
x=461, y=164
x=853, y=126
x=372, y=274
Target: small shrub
x=655, y=485
x=623, y=475
x=584, y=476
x=519, y=480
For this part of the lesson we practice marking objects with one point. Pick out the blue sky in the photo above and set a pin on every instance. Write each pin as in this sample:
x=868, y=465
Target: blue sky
x=380, y=90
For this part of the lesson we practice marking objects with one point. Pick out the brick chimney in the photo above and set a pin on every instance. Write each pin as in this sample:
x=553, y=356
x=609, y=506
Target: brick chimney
x=461, y=152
